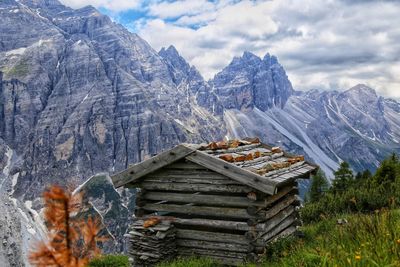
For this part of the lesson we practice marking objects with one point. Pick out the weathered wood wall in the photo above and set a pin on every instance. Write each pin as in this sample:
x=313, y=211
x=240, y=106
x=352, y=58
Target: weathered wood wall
x=214, y=215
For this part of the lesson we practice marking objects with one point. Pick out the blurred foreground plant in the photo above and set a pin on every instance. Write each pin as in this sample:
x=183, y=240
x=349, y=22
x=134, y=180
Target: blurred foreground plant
x=71, y=241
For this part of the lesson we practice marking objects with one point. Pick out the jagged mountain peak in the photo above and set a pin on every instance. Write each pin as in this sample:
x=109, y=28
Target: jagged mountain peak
x=270, y=59
x=247, y=55
x=43, y=3
x=361, y=89
x=249, y=81
x=171, y=50
x=172, y=56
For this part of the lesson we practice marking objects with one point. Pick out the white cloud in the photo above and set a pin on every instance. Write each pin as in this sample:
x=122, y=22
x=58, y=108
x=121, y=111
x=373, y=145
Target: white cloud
x=211, y=47
x=322, y=44
x=179, y=8
x=113, y=5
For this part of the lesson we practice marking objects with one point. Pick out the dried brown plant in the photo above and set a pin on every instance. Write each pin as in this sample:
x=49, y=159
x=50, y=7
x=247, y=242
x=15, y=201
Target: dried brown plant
x=71, y=241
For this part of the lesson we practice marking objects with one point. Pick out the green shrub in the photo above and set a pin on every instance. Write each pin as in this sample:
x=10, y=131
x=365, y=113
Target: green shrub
x=110, y=261
x=190, y=262
x=365, y=194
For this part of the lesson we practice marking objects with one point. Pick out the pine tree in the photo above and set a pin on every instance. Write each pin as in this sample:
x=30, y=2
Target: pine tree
x=388, y=170
x=343, y=178
x=71, y=242
x=319, y=184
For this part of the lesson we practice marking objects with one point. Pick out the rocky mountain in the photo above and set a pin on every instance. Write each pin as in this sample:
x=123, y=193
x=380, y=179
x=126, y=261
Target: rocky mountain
x=356, y=125
x=80, y=95
x=250, y=82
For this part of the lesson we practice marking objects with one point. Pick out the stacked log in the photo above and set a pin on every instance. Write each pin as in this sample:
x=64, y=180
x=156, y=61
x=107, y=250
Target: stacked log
x=278, y=218
x=151, y=241
x=214, y=216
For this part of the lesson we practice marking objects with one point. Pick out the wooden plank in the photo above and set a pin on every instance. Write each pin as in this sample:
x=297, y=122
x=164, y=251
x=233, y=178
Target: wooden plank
x=288, y=231
x=263, y=215
x=281, y=193
x=210, y=200
x=137, y=171
x=291, y=220
x=288, y=200
x=182, y=173
x=274, y=173
x=236, y=173
x=232, y=150
x=184, y=187
x=190, y=180
x=214, y=224
x=211, y=236
x=200, y=210
x=214, y=245
x=185, y=165
x=277, y=219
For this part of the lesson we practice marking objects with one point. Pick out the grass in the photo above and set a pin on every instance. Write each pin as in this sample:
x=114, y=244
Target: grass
x=110, y=261
x=19, y=69
x=366, y=240
x=190, y=262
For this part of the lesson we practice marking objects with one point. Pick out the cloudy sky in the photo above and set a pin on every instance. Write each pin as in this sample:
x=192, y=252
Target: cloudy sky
x=323, y=44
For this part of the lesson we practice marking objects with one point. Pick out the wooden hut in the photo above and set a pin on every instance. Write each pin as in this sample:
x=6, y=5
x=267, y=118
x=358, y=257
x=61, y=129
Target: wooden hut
x=224, y=200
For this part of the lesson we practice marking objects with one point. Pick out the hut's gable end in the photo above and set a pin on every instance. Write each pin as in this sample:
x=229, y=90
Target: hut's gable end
x=136, y=171
x=184, y=176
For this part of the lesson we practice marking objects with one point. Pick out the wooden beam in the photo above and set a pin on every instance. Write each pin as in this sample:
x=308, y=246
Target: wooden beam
x=137, y=171
x=215, y=224
x=263, y=215
x=281, y=193
x=214, y=245
x=236, y=173
x=210, y=200
x=191, y=180
x=184, y=187
x=288, y=231
x=186, y=165
x=288, y=200
x=211, y=236
x=233, y=213
x=291, y=220
x=187, y=174
x=277, y=219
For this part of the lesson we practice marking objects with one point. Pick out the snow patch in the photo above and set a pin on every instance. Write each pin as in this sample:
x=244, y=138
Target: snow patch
x=16, y=52
x=190, y=129
x=310, y=148
x=232, y=124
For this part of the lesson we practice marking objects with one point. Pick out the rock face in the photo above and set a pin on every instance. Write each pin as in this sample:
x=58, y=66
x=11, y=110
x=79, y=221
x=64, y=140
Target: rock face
x=251, y=82
x=355, y=125
x=19, y=225
x=80, y=95
x=188, y=79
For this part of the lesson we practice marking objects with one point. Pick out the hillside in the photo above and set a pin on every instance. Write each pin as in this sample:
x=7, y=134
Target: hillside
x=328, y=243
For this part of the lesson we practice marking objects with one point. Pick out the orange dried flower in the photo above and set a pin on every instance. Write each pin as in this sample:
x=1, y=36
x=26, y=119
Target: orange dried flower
x=151, y=222
x=227, y=157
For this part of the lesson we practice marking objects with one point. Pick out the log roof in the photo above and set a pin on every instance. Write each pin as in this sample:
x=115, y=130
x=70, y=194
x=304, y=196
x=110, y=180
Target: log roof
x=248, y=161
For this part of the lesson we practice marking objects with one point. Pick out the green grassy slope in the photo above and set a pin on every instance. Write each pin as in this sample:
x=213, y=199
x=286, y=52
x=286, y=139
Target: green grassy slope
x=366, y=240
